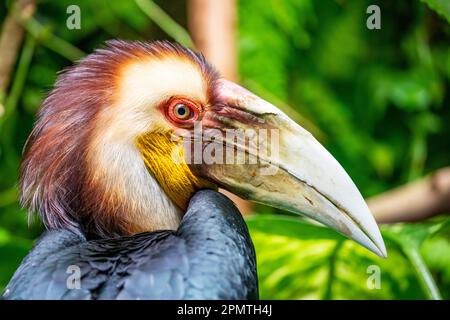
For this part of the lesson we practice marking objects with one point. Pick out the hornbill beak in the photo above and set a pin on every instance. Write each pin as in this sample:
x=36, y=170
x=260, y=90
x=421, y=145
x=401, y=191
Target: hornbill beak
x=280, y=164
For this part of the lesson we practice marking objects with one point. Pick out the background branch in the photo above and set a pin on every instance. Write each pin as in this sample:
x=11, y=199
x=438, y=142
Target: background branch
x=414, y=201
x=11, y=39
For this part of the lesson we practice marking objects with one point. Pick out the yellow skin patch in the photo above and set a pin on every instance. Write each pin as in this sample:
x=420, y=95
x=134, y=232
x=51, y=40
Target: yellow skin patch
x=164, y=159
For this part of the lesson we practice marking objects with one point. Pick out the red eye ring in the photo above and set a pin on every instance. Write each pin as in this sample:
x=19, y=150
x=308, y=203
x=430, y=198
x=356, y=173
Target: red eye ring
x=182, y=111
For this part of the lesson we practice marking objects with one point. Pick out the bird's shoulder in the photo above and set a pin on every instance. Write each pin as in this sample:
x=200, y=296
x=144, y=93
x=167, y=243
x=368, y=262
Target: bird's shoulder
x=210, y=256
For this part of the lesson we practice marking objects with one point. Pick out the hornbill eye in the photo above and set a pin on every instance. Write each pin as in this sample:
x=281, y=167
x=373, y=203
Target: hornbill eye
x=182, y=111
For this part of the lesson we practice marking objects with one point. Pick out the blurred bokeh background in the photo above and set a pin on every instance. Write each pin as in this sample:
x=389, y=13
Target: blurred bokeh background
x=377, y=99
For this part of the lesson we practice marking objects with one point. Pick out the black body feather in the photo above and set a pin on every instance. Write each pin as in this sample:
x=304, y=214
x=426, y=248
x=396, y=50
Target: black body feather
x=210, y=256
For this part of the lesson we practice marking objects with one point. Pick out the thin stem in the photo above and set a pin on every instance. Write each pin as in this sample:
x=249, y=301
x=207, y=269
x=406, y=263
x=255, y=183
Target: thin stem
x=52, y=42
x=424, y=274
x=165, y=22
x=327, y=295
x=20, y=77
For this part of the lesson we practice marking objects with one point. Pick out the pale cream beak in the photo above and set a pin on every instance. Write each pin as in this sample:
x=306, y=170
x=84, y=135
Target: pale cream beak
x=289, y=169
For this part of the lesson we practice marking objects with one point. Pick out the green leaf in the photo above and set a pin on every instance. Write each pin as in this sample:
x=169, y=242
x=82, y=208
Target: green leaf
x=440, y=6
x=291, y=227
x=299, y=260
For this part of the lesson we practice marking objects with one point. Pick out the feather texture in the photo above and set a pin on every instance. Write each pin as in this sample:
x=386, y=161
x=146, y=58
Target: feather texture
x=81, y=167
x=210, y=256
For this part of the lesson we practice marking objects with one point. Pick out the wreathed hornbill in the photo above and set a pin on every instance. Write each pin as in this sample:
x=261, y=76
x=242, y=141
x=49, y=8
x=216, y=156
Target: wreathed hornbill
x=109, y=169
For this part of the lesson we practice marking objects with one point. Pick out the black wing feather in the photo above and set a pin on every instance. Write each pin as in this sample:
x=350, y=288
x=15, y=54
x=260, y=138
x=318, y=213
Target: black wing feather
x=210, y=256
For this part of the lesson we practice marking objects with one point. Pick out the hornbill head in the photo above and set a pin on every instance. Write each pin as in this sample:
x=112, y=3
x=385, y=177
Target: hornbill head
x=133, y=130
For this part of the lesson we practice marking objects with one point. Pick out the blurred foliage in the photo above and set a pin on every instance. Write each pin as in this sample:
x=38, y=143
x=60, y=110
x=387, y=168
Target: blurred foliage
x=440, y=6
x=298, y=260
x=379, y=99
